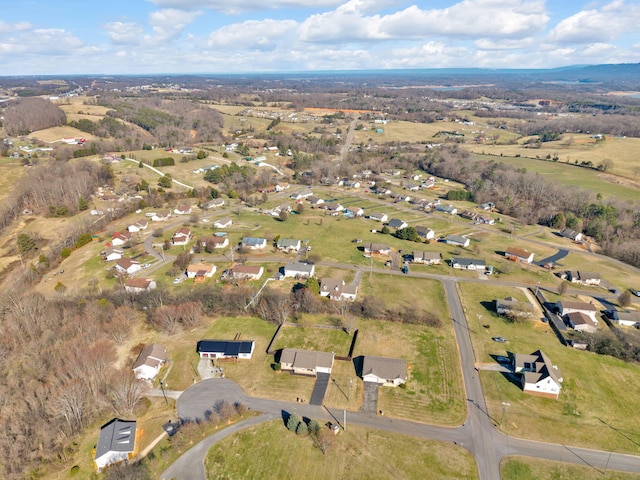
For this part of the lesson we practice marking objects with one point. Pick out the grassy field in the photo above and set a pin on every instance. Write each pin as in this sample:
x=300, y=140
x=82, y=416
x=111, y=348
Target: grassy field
x=600, y=394
x=55, y=134
x=564, y=173
x=316, y=339
x=525, y=468
x=358, y=454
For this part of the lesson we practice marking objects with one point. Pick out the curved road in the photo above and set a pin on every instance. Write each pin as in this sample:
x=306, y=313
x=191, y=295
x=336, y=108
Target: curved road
x=478, y=434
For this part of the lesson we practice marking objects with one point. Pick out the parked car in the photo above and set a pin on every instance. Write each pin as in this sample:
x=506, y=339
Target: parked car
x=499, y=339
x=635, y=292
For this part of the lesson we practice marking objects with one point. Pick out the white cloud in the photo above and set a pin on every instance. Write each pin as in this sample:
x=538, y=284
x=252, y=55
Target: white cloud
x=234, y=7
x=466, y=19
x=504, y=43
x=169, y=23
x=50, y=41
x=598, y=25
x=14, y=27
x=124, y=33
x=263, y=34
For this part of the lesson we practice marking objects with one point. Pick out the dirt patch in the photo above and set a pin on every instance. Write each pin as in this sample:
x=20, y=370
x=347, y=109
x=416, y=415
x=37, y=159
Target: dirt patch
x=627, y=182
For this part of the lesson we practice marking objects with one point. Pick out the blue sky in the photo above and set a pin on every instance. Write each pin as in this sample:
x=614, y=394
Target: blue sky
x=51, y=37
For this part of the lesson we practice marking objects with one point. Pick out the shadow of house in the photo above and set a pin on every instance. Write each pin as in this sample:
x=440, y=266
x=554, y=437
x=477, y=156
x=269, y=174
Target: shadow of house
x=358, y=363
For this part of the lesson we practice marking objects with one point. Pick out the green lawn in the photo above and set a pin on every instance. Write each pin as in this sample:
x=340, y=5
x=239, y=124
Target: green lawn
x=599, y=397
x=525, y=468
x=316, y=339
x=358, y=454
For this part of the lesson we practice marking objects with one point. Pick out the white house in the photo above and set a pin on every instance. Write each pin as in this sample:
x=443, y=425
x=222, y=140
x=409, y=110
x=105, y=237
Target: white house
x=128, y=266
x=583, y=277
x=223, y=223
x=253, y=243
x=226, y=348
x=572, y=235
x=245, y=272
x=161, y=216
x=299, y=270
x=201, y=270
x=518, y=255
x=425, y=233
x=214, y=242
x=581, y=322
x=384, y=371
x=149, y=361
x=183, y=210
x=116, y=443
x=302, y=194
x=181, y=237
x=427, y=258
x=378, y=216
x=288, y=245
x=457, y=240
x=468, y=264
x=450, y=209
x=306, y=362
x=565, y=307
x=377, y=248
x=120, y=238
x=211, y=204
x=139, y=285
x=112, y=254
x=336, y=289
x=627, y=318
x=397, y=224
x=138, y=226
x=538, y=375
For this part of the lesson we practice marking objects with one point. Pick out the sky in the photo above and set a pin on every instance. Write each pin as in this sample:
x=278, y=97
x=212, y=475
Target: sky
x=54, y=37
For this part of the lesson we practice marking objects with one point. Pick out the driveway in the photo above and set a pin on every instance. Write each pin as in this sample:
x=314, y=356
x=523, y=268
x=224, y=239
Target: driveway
x=319, y=388
x=370, y=400
x=559, y=255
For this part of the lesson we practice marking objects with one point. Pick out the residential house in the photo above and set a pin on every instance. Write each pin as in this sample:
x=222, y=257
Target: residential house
x=226, y=349
x=245, y=272
x=301, y=194
x=138, y=226
x=518, y=255
x=288, y=245
x=397, y=224
x=139, y=285
x=200, y=271
x=112, y=253
x=161, y=216
x=581, y=322
x=149, y=361
x=211, y=243
x=487, y=206
x=510, y=307
x=413, y=187
x=181, y=237
x=306, y=362
x=282, y=186
x=116, y=443
x=468, y=264
x=285, y=207
x=450, y=209
x=223, y=223
x=377, y=248
x=384, y=371
x=583, y=278
x=253, y=243
x=537, y=374
x=425, y=233
x=128, y=266
x=120, y=238
x=313, y=200
x=351, y=184
x=332, y=208
x=457, y=240
x=183, y=210
x=336, y=289
x=626, y=317
x=427, y=258
x=354, y=212
x=430, y=182
x=378, y=217
x=299, y=270
x=211, y=204
x=565, y=307
x=572, y=235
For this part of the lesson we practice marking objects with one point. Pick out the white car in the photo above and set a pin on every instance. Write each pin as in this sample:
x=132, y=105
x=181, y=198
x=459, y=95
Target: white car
x=177, y=281
x=205, y=220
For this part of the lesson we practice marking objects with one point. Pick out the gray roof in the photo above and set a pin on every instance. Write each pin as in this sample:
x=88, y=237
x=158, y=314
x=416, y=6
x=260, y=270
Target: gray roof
x=456, y=239
x=152, y=355
x=253, y=241
x=307, y=359
x=540, y=365
x=465, y=262
x=386, y=368
x=426, y=255
x=288, y=243
x=396, y=223
x=116, y=436
x=588, y=307
x=299, y=267
x=376, y=247
x=579, y=318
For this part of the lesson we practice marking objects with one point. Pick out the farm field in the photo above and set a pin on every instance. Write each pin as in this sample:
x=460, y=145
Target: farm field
x=599, y=393
x=358, y=454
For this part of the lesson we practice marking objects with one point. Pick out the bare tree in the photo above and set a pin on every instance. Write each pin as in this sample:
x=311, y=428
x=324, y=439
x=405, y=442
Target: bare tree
x=125, y=391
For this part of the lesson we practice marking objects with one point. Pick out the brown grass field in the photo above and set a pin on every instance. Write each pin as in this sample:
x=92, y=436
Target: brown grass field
x=527, y=468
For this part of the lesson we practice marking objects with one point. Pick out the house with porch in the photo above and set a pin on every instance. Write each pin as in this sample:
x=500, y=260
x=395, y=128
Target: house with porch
x=245, y=272
x=468, y=264
x=253, y=243
x=518, y=255
x=426, y=258
x=149, y=361
x=128, y=266
x=200, y=271
x=377, y=248
x=288, y=245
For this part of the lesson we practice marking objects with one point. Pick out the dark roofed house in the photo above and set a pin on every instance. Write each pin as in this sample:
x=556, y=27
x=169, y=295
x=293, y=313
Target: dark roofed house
x=226, y=348
x=116, y=443
x=583, y=277
x=384, y=371
x=457, y=240
x=519, y=255
x=397, y=224
x=139, y=285
x=538, y=375
x=468, y=264
x=581, y=322
x=336, y=289
x=571, y=234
